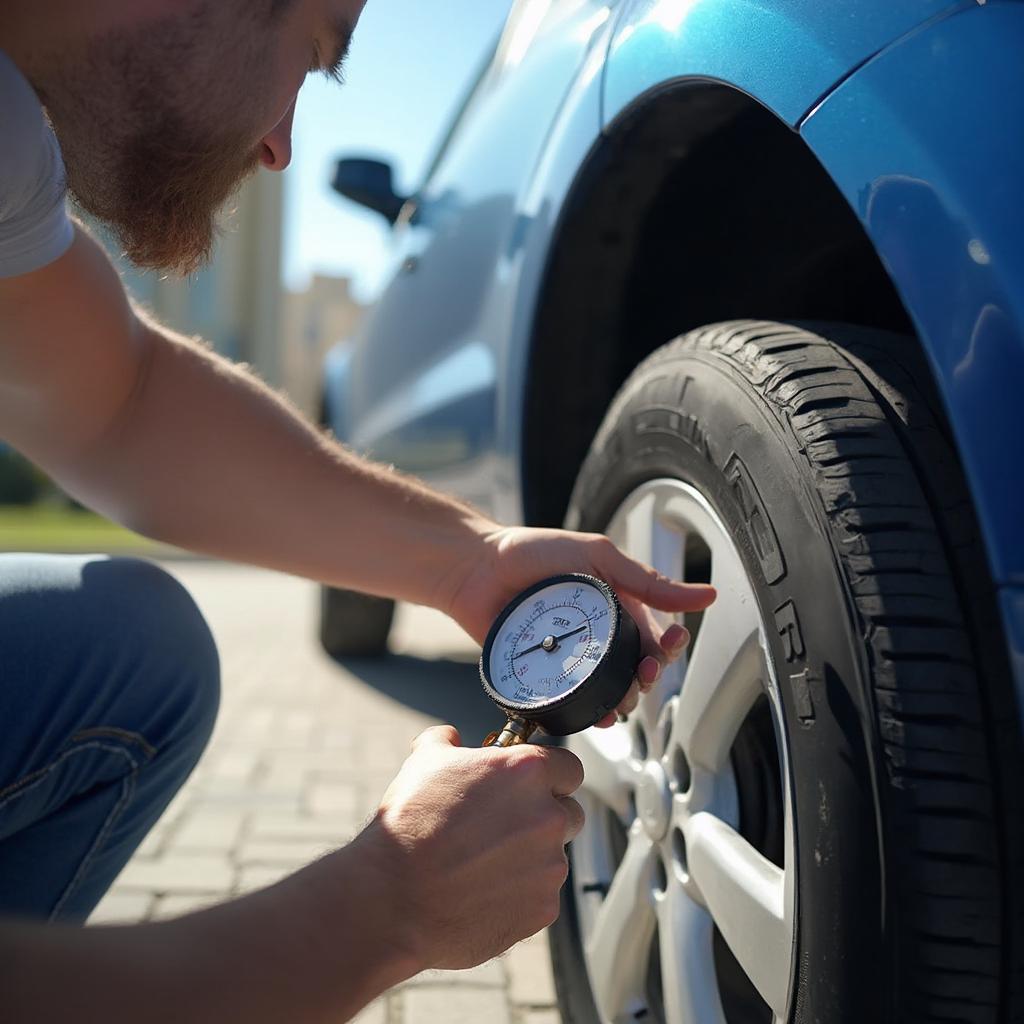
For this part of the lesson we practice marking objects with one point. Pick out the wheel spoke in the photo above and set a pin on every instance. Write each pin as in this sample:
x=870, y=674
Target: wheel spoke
x=652, y=704
x=668, y=548
x=619, y=943
x=722, y=680
x=609, y=774
x=746, y=895
x=648, y=536
x=686, y=940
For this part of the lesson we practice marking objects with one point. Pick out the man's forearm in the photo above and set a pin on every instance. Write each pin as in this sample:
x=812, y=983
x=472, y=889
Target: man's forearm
x=206, y=457
x=311, y=949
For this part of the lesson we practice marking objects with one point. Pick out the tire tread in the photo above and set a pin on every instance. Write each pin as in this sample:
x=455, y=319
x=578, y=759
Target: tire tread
x=859, y=414
x=856, y=428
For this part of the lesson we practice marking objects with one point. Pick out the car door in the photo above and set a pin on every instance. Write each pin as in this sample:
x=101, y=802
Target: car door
x=424, y=370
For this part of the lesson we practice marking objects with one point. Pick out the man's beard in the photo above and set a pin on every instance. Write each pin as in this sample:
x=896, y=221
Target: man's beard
x=162, y=194
x=154, y=166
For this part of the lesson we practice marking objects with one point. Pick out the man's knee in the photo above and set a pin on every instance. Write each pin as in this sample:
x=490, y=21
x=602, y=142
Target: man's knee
x=160, y=629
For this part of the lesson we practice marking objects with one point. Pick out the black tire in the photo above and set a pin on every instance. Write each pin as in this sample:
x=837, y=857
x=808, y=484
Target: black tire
x=824, y=443
x=354, y=625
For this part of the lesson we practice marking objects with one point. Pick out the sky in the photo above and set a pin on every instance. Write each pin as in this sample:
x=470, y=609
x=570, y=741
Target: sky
x=410, y=64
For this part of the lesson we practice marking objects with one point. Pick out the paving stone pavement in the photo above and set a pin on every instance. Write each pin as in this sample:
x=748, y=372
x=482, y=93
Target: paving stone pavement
x=302, y=751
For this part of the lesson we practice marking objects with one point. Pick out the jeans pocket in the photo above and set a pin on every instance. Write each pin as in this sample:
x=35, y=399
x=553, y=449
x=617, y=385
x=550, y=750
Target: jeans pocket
x=97, y=765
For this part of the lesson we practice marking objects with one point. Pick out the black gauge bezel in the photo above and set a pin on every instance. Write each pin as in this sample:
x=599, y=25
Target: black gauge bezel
x=604, y=688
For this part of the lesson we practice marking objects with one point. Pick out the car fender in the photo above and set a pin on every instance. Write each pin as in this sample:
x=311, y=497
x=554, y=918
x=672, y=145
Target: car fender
x=644, y=46
x=925, y=144
x=574, y=133
x=785, y=53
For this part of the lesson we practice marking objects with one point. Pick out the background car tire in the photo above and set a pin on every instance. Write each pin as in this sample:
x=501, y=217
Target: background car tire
x=354, y=625
x=821, y=450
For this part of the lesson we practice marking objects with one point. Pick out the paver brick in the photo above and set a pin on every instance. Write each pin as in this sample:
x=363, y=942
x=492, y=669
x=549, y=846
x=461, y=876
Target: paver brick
x=490, y=974
x=255, y=725
x=454, y=1005
x=178, y=905
x=294, y=826
x=217, y=830
x=288, y=853
x=529, y=969
x=233, y=765
x=120, y=907
x=338, y=737
x=330, y=798
x=259, y=876
x=214, y=796
x=319, y=759
x=179, y=872
x=542, y=1017
x=295, y=727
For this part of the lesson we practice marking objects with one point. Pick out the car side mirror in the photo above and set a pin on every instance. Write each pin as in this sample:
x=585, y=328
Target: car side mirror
x=369, y=183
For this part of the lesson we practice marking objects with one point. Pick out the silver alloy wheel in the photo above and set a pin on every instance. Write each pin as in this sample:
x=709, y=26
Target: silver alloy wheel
x=667, y=778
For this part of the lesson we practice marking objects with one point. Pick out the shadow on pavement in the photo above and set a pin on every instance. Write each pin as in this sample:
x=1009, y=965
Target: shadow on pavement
x=444, y=689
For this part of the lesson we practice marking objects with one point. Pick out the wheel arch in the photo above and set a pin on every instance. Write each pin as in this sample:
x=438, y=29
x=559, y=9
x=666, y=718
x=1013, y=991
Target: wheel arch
x=696, y=205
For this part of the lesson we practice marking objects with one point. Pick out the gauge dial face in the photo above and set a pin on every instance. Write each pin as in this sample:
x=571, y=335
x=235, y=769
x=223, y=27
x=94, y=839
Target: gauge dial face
x=550, y=643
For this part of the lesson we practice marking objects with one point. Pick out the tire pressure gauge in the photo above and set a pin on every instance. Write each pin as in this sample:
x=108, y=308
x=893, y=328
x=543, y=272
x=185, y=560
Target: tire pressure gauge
x=560, y=657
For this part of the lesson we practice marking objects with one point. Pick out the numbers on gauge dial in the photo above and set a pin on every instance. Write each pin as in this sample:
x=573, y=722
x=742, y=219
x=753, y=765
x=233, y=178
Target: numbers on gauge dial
x=551, y=643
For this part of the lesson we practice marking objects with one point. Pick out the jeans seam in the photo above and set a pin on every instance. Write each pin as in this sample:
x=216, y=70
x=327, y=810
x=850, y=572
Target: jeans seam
x=113, y=732
x=19, y=789
x=33, y=779
x=127, y=788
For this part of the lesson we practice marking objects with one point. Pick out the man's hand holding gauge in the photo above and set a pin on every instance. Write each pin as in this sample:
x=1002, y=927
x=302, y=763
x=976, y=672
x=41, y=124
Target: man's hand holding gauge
x=478, y=835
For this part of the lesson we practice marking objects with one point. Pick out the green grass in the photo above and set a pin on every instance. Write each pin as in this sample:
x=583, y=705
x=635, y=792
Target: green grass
x=57, y=528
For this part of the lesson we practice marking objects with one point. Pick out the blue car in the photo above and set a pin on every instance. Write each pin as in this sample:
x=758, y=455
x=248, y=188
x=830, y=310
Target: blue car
x=741, y=284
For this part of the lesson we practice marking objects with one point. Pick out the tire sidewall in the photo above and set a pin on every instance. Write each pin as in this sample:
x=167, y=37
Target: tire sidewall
x=692, y=415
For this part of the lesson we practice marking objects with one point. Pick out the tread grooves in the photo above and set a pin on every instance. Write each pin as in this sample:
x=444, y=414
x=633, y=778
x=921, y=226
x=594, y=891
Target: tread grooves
x=816, y=404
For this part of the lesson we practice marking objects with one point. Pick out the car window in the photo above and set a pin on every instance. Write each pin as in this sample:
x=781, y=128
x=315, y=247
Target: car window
x=505, y=53
x=477, y=87
x=520, y=30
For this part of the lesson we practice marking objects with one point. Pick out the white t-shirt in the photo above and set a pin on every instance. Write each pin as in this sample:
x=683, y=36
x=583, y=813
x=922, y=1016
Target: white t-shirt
x=34, y=225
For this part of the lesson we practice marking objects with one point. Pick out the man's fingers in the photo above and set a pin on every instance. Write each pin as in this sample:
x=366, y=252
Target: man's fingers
x=628, y=703
x=575, y=819
x=446, y=735
x=662, y=651
x=565, y=769
x=648, y=672
x=659, y=646
x=674, y=640
x=651, y=631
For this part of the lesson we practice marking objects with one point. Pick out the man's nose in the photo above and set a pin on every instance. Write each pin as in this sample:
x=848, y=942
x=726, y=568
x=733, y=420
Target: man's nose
x=276, y=145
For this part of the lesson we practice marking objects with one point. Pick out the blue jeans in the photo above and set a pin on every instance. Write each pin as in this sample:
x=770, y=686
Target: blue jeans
x=109, y=685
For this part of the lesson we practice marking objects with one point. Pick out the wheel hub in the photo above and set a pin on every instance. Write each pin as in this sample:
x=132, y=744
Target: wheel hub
x=654, y=801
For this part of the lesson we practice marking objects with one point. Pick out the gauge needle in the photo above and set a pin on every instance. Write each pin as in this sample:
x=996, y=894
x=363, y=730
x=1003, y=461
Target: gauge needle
x=549, y=643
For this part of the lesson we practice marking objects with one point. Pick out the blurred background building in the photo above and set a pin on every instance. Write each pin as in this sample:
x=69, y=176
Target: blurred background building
x=322, y=315
x=239, y=303
x=235, y=303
